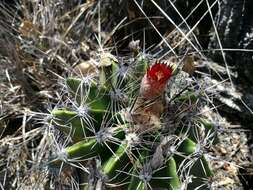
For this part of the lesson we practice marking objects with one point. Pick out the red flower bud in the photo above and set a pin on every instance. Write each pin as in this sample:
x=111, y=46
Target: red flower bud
x=155, y=80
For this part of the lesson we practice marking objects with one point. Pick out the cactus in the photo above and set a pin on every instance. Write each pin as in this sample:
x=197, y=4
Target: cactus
x=133, y=129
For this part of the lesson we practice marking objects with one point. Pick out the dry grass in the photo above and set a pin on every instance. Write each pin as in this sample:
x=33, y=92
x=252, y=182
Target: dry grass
x=44, y=40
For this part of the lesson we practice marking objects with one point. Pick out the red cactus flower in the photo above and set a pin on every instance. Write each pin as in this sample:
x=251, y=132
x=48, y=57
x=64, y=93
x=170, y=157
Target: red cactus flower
x=159, y=72
x=155, y=80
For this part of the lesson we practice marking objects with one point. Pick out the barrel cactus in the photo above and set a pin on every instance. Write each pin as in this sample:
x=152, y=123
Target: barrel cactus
x=134, y=126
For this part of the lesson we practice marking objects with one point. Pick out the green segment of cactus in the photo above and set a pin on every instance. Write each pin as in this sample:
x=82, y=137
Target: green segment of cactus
x=71, y=124
x=199, y=166
x=187, y=146
x=137, y=184
x=116, y=163
x=93, y=146
x=94, y=101
x=144, y=175
x=77, y=126
x=94, y=96
x=167, y=176
x=83, y=150
x=171, y=170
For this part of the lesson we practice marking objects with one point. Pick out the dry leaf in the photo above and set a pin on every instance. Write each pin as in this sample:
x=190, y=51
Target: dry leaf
x=85, y=68
x=189, y=66
x=28, y=29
